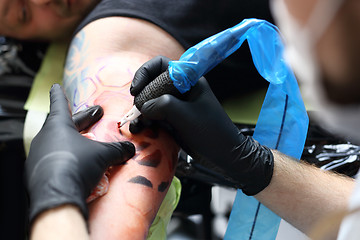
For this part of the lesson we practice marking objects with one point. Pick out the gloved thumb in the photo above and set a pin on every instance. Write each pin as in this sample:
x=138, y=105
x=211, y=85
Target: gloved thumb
x=116, y=153
x=59, y=105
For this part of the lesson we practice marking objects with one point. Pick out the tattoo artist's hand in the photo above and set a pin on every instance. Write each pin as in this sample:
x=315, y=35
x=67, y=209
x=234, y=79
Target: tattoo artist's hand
x=205, y=131
x=63, y=166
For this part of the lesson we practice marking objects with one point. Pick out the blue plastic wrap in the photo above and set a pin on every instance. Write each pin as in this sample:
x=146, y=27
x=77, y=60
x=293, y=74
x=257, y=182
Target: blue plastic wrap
x=282, y=125
x=283, y=120
x=204, y=56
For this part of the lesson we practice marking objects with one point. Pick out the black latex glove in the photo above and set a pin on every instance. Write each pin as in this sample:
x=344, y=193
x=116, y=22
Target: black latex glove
x=205, y=131
x=63, y=166
x=87, y=117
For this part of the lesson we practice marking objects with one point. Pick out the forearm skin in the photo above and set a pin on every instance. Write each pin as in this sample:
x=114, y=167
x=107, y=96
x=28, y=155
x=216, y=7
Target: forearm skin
x=71, y=220
x=303, y=194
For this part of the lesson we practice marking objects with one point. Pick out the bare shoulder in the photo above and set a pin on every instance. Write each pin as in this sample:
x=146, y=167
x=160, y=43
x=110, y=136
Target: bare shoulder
x=130, y=34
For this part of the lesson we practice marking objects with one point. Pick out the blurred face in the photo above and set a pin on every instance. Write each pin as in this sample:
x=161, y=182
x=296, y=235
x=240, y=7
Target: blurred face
x=322, y=45
x=41, y=19
x=337, y=48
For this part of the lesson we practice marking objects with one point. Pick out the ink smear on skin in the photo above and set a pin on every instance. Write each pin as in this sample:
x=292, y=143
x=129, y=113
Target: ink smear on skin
x=142, y=145
x=141, y=180
x=151, y=160
x=163, y=186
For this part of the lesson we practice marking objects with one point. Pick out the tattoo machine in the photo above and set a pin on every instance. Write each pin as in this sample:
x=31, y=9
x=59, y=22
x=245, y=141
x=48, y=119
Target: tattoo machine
x=198, y=60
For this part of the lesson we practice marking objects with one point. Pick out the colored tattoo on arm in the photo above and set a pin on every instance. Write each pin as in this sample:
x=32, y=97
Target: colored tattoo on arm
x=75, y=68
x=95, y=78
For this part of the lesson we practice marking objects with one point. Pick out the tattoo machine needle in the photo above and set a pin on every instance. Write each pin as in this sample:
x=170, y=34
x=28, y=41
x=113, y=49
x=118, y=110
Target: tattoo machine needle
x=198, y=60
x=159, y=86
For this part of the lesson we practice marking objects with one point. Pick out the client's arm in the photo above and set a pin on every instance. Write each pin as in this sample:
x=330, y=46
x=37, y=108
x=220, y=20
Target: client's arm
x=102, y=60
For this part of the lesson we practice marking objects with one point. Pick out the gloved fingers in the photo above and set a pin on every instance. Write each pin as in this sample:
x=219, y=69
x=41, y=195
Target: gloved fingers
x=88, y=117
x=200, y=88
x=148, y=72
x=59, y=105
x=116, y=153
x=139, y=124
x=161, y=108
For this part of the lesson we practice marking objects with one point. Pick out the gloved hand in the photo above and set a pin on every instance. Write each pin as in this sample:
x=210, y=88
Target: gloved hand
x=205, y=131
x=63, y=166
x=87, y=117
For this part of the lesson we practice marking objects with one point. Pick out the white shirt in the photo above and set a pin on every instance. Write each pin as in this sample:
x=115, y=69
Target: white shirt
x=350, y=226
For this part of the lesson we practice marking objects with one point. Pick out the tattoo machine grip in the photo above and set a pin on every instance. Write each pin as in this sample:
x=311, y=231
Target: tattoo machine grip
x=161, y=85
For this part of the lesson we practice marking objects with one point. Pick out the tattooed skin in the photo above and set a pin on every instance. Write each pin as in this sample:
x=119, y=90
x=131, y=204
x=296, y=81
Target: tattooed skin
x=137, y=188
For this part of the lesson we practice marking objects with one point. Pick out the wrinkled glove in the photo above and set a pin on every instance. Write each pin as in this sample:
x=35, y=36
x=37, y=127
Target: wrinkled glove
x=63, y=166
x=205, y=131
